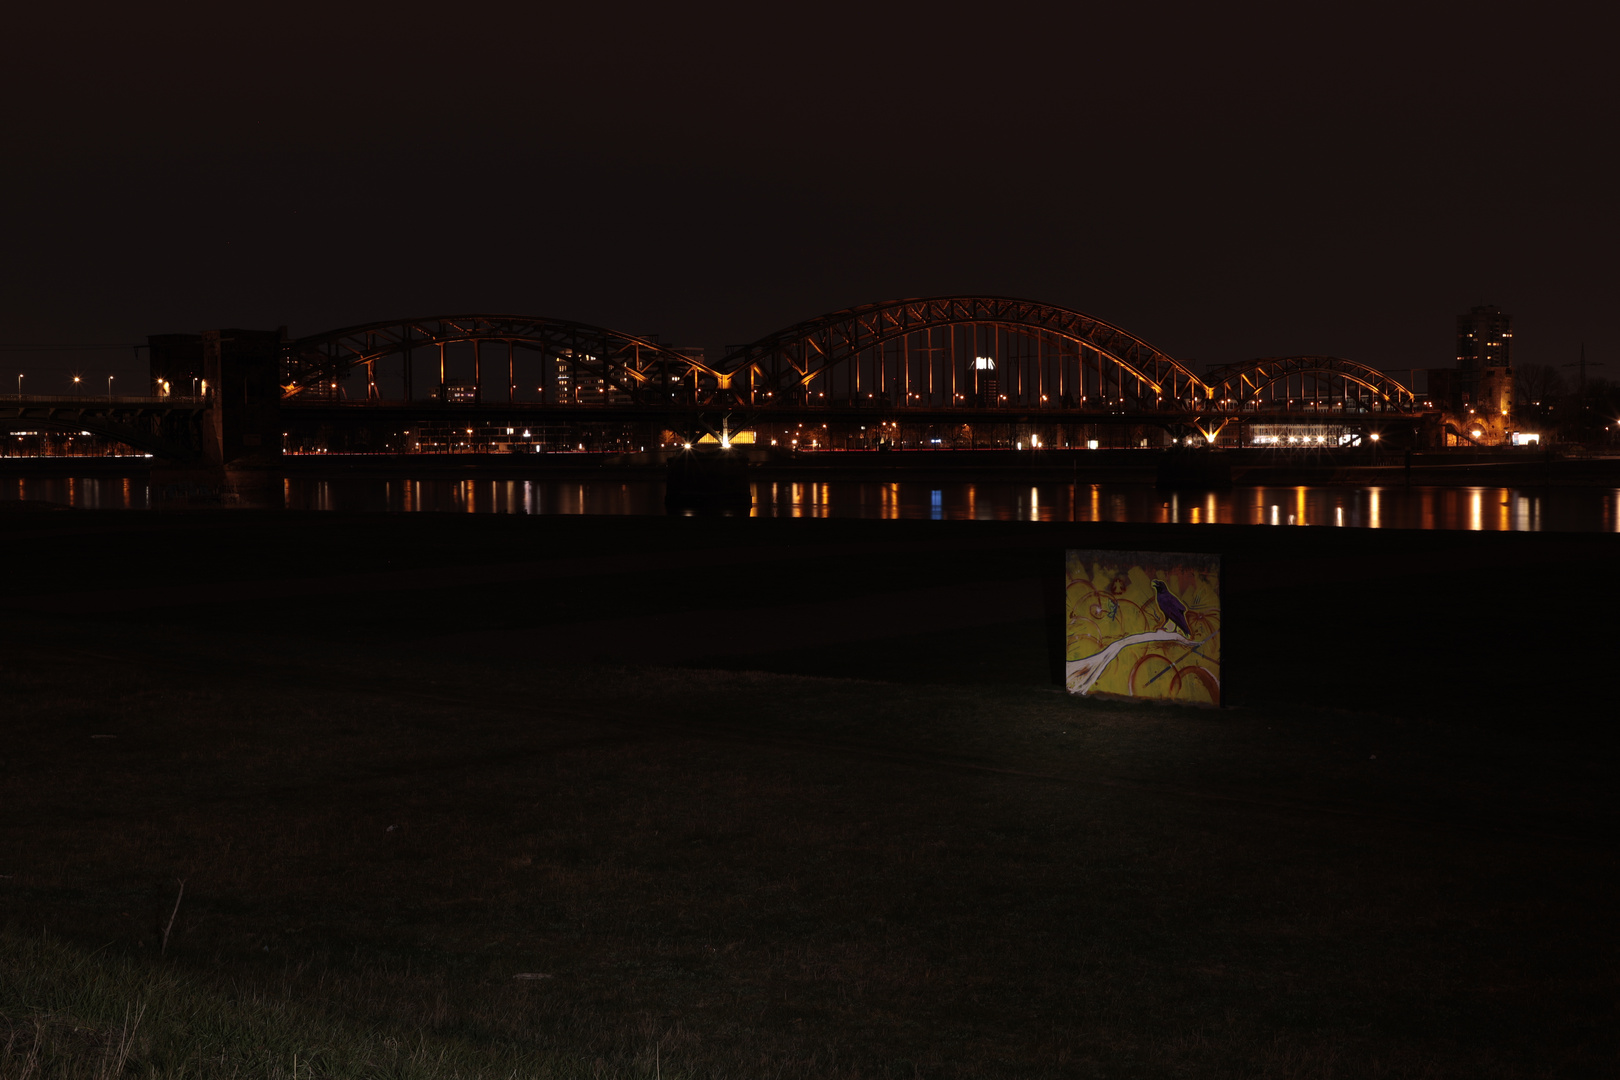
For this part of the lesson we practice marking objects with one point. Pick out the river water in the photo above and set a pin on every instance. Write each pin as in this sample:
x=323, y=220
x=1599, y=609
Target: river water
x=1487, y=508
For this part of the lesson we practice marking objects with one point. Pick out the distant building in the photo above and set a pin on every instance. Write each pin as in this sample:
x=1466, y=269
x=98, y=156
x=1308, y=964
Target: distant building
x=1484, y=338
x=1485, y=358
x=1478, y=390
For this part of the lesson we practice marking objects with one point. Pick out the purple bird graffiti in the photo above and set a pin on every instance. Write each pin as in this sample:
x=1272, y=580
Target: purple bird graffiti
x=1172, y=609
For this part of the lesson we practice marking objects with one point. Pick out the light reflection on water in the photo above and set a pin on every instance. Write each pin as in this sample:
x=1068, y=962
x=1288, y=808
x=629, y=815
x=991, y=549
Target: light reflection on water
x=1469, y=508
x=1476, y=508
x=86, y=493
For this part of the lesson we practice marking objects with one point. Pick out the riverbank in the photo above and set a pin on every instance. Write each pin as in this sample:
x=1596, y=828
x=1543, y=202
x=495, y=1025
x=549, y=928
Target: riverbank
x=1355, y=598
x=704, y=796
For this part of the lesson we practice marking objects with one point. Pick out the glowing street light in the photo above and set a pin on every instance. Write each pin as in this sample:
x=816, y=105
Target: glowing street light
x=109, y=389
x=19, y=385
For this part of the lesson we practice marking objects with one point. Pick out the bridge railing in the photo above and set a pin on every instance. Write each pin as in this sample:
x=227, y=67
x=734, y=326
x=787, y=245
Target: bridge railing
x=102, y=399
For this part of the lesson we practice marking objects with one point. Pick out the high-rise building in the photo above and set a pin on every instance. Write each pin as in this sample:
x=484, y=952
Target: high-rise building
x=1483, y=391
x=1484, y=339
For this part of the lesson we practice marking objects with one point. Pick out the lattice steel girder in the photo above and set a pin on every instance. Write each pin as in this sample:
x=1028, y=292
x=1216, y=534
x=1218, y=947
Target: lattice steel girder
x=621, y=360
x=796, y=355
x=1251, y=377
x=169, y=431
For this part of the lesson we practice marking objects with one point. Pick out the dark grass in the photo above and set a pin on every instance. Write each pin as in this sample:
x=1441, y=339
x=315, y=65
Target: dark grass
x=775, y=864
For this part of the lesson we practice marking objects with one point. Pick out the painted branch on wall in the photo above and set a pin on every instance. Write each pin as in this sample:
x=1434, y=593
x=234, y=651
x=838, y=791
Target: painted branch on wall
x=1082, y=675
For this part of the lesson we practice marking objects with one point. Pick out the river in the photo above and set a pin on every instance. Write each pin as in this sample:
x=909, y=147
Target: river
x=1481, y=508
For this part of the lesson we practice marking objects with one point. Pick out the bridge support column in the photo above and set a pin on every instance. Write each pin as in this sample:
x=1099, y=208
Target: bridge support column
x=243, y=422
x=241, y=429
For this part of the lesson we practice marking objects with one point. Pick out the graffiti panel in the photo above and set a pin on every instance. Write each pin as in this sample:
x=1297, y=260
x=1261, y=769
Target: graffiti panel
x=1144, y=624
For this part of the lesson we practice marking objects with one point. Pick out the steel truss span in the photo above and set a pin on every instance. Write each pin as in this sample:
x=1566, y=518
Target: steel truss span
x=939, y=354
x=1307, y=382
x=578, y=363
x=167, y=427
x=960, y=351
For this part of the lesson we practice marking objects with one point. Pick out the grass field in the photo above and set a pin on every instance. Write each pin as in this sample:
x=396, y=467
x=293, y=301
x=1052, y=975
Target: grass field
x=427, y=827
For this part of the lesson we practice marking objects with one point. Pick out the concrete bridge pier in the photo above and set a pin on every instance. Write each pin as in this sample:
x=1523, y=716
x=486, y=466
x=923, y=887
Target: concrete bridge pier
x=241, y=431
x=242, y=427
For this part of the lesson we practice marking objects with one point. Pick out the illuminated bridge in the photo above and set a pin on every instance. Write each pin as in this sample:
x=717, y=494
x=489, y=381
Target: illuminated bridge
x=945, y=371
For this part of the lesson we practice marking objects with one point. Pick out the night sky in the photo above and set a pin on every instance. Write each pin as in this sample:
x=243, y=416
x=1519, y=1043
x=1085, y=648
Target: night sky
x=1226, y=181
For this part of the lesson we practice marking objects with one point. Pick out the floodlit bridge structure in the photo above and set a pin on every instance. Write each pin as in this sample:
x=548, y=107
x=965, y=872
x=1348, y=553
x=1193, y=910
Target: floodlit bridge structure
x=1308, y=383
x=943, y=371
x=944, y=353
x=942, y=365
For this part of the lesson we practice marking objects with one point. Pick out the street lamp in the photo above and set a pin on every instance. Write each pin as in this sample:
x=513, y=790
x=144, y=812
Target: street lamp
x=19, y=385
x=109, y=389
x=75, y=382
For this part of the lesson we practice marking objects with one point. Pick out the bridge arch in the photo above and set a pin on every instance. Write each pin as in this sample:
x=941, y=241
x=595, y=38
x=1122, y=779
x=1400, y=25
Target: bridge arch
x=960, y=350
x=1329, y=381
x=599, y=363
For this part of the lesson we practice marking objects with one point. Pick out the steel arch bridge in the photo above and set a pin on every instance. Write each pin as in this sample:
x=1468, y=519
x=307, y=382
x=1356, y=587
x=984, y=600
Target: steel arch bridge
x=959, y=351
x=590, y=360
x=933, y=363
x=944, y=366
x=939, y=354
x=1307, y=383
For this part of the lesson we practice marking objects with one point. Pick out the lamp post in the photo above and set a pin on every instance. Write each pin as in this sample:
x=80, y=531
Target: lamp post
x=109, y=389
x=19, y=385
x=75, y=383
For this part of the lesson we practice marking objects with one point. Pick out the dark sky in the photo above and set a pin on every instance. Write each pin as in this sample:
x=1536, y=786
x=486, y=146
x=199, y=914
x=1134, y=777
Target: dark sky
x=1225, y=181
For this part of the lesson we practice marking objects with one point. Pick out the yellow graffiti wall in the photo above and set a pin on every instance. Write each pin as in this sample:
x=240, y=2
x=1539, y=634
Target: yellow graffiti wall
x=1144, y=625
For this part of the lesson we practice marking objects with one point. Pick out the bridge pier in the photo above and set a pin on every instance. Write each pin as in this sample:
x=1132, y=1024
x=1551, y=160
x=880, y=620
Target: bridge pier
x=243, y=423
x=241, y=428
